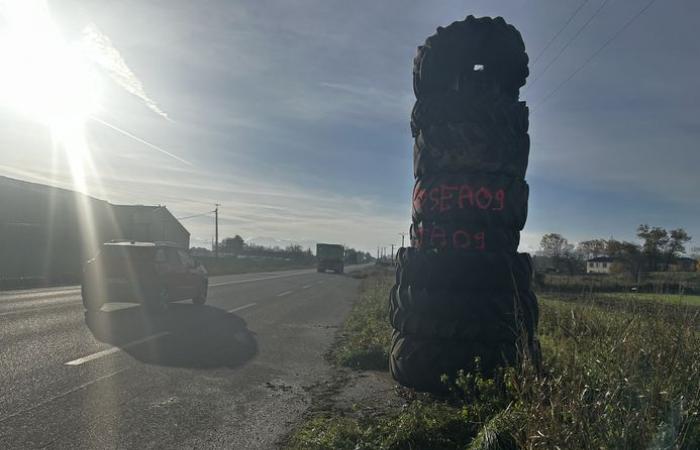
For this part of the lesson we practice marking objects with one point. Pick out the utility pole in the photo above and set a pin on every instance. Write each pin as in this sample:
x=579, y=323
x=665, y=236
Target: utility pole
x=216, y=230
x=403, y=235
x=392, y=251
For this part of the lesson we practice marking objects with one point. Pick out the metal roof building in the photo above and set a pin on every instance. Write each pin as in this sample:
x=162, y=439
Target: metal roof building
x=48, y=232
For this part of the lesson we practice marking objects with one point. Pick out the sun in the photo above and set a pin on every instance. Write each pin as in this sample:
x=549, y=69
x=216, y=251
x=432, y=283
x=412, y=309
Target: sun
x=44, y=76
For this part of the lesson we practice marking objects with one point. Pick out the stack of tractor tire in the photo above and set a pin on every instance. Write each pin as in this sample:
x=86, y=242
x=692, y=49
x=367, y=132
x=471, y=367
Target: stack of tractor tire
x=463, y=292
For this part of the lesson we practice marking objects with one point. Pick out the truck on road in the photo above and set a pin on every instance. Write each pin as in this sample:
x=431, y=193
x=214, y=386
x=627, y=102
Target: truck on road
x=330, y=257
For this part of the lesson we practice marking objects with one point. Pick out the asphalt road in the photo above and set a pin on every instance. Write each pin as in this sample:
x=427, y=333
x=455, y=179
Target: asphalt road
x=235, y=373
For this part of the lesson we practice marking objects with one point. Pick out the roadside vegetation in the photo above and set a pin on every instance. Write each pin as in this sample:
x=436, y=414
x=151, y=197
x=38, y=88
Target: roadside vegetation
x=366, y=336
x=237, y=256
x=234, y=265
x=620, y=372
x=681, y=283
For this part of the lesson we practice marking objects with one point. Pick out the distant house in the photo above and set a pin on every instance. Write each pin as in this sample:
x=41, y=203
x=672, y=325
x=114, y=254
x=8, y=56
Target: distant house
x=684, y=264
x=600, y=264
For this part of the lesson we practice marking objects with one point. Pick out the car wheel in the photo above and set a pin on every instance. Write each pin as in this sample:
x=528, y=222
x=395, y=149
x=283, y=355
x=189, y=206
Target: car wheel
x=90, y=300
x=201, y=297
x=159, y=302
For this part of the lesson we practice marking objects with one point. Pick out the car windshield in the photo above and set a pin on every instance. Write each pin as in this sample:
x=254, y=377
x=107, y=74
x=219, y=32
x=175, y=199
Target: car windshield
x=332, y=224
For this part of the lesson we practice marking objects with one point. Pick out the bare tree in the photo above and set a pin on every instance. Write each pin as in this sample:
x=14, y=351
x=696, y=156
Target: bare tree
x=558, y=248
x=555, y=245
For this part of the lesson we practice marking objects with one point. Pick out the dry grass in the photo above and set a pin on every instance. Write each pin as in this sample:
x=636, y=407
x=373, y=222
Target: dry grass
x=617, y=375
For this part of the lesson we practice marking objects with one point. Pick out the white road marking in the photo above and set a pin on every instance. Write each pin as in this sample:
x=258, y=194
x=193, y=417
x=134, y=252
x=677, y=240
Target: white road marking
x=260, y=279
x=306, y=287
x=109, y=351
x=241, y=307
x=282, y=294
x=75, y=389
x=319, y=282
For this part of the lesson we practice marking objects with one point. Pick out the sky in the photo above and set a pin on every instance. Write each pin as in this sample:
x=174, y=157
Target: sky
x=294, y=115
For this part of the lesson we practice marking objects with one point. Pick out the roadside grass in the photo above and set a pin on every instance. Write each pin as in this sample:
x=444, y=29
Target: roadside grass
x=366, y=336
x=653, y=282
x=614, y=378
x=676, y=299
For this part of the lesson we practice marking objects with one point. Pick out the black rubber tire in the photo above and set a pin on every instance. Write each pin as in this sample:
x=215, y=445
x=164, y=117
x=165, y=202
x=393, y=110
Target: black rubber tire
x=91, y=302
x=451, y=236
x=483, y=316
x=468, y=148
x=447, y=59
x=419, y=363
x=485, y=200
x=157, y=303
x=201, y=297
x=456, y=271
x=456, y=107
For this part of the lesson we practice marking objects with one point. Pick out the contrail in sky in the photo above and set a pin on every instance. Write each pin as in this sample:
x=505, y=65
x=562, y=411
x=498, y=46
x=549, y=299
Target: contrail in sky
x=138, y=139
x=102, y=52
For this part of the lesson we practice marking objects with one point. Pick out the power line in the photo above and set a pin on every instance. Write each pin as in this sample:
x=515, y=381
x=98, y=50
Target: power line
x=194, y=215
x=568, y=43
x=554, y=38
x=597, y=52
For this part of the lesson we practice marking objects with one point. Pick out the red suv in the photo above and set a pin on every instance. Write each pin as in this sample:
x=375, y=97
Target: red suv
x=151, y=273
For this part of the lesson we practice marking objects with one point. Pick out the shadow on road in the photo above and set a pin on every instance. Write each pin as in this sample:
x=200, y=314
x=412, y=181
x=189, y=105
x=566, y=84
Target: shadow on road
x=194, y=336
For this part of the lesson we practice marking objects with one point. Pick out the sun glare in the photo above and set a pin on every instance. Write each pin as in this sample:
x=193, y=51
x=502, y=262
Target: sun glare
x=49, y=79
x=45, y=77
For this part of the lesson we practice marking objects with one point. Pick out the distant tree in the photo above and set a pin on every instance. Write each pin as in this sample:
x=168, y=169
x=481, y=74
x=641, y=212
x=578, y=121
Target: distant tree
x=351, y=256
x=628, y=255
x=294, y=248
x=676, y=245
x=295, y=252
x=233, y=245
x=655, y=240
x=592, y=248
x=199, y=251
x=557, y=247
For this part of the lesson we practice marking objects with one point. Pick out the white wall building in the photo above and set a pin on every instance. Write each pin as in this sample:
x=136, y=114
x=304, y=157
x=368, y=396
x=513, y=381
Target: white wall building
x=600, y=264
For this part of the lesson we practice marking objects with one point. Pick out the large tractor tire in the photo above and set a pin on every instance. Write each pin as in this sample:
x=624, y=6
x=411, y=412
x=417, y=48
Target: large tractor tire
x=452, y=236
x=472, y=55
x=457, y=107
x=467, y=148
x=456, y=271
x=484, y=200
x=479, y=318
x=419, y=363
